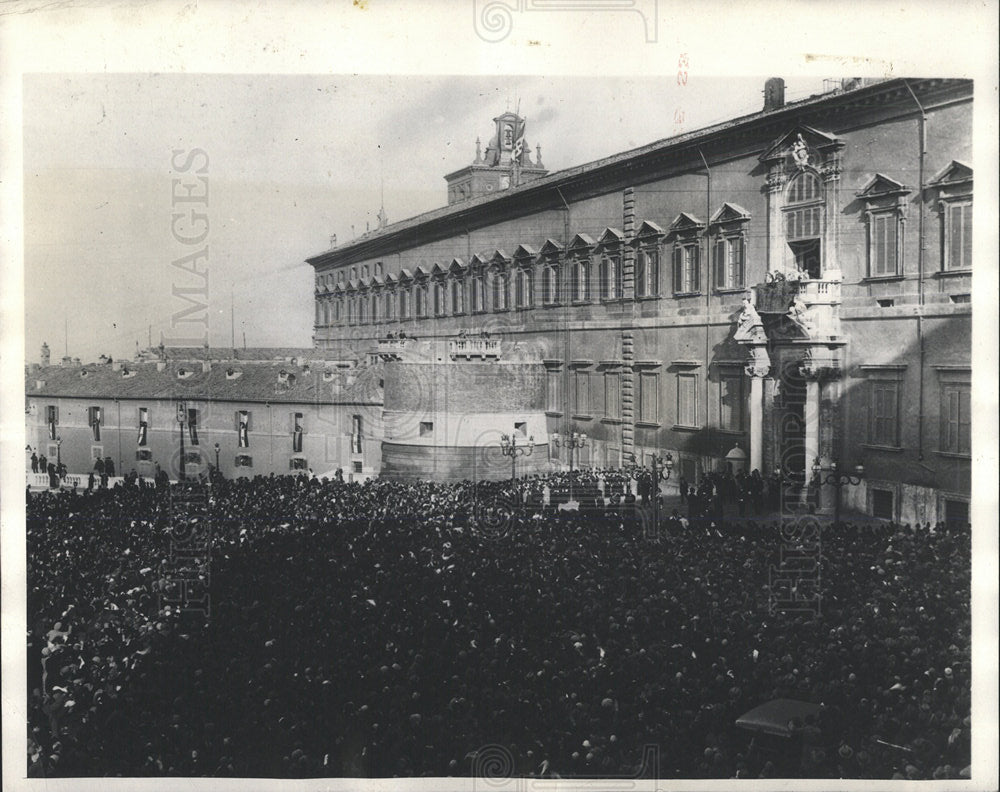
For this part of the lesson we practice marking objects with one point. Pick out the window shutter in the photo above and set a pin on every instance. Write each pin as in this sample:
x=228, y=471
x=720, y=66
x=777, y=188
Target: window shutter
x=678, y=268
x=720, y=263
x=640, y=274
x=964, y=418
x=696, y=268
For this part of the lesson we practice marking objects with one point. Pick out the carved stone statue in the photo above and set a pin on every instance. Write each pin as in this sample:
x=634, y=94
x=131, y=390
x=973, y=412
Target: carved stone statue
x=749, y=324
x=799, y=314
x=800, y=152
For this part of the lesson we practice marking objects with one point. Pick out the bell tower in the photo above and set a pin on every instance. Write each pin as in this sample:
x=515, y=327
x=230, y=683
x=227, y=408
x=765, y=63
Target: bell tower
x=505, y=164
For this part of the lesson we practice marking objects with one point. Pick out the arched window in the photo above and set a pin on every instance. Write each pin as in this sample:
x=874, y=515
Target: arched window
x=804, y=217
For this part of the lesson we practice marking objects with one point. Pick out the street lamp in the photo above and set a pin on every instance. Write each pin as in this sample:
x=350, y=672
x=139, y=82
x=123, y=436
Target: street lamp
x=181, y=417
x=58, y=456
x=216, y=458
x=572, y=441
x=838, y=481
x=509, y=447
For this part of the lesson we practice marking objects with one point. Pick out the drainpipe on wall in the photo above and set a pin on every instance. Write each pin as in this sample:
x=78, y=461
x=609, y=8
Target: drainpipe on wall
x=920, y=271
x=706, y=273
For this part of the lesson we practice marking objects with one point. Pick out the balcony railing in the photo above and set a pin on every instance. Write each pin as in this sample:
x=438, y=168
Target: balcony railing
x=776, y=296
x=474, y=348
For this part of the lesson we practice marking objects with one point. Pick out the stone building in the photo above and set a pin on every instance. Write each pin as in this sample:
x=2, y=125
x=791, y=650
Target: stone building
x=792, y=285
x=251, y=412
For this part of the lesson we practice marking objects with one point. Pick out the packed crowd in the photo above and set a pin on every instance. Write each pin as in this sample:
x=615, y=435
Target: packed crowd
x=392, y=628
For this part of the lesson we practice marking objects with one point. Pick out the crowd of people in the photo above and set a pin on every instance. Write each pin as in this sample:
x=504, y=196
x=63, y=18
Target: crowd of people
x=410, y=628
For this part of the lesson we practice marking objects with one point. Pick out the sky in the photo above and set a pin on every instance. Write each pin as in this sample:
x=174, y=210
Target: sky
x=290, y=160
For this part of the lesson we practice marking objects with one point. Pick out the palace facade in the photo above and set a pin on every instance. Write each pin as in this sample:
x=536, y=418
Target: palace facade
x=786, y=290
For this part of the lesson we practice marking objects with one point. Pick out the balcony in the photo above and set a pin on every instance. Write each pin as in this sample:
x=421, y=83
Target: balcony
x=391, y=348
x=468, y=348
x=776, y=296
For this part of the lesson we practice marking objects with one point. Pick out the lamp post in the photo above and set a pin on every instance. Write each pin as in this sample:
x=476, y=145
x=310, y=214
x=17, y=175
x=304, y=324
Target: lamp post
x=572, y=441
x=216, y=457
x=58, y=456
x=181, y=416
x=509, y=447
x=838, y=481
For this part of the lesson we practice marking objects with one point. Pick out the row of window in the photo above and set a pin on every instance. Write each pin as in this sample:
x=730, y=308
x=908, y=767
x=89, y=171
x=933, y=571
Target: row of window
x=570, y=276
x=242, y=425
x=955, y=435
x=599, y=394
x=557, y=283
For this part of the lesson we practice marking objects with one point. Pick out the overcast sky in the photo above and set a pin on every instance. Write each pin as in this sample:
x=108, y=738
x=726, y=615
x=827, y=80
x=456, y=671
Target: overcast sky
x=291, y=160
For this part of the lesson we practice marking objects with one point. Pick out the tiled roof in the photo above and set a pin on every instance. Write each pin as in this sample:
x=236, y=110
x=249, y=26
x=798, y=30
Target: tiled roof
x=231, y=353
x=258, y=382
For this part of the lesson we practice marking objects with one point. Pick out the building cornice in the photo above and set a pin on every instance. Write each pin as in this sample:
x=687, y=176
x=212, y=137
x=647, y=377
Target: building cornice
x=751, y=134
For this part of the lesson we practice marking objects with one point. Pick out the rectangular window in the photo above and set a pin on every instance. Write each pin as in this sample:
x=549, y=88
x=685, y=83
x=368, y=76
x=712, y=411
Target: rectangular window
x=582, y=393
x=553, y=391
x=243, y=428
x=243, y=461
x=356, y=436
x=141, y=440
x=883, y=245
x=687, y=269
x=882, y=504
x=524, y=296
x=647, y=273
x=426, y=428
x=956, y=513
x=52, y=419
x=298, y=463
x=687, y=400
x=297, y=432
x=192, y=422
x=613, y=394
x=884, y=413
x=649, y=397
x=731, y=401
x=458, y=296
x=956, y=419
x=550, y=284
x=404, y=303
x=958, y=236
x=729, y=262
x=581, y=280
x=94, y=419
x=804, y=223
x=143, y=455
x=358, y=467
x=610, y=278
x=420, y=300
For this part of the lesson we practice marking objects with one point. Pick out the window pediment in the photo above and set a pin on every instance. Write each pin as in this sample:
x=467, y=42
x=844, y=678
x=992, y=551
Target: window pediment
x=729, y=213
x=649, y=232
x=954, y=174
x=525, y=253
x=686, y=224
x=581, y=243
x=551, y=248
x=611, y=239
x=881, y=186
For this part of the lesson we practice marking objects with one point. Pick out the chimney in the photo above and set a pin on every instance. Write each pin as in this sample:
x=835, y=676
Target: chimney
x=774, y=94
x=161, y=365
x=116, y=364
x=67, y=360
x=206, y=365
x=45, y=354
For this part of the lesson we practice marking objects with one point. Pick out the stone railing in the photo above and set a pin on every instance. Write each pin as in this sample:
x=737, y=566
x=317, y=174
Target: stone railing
x=776, y=296
x=474, y=347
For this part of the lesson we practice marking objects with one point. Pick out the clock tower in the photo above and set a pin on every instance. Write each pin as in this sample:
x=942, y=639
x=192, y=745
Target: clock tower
x=505, y=164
